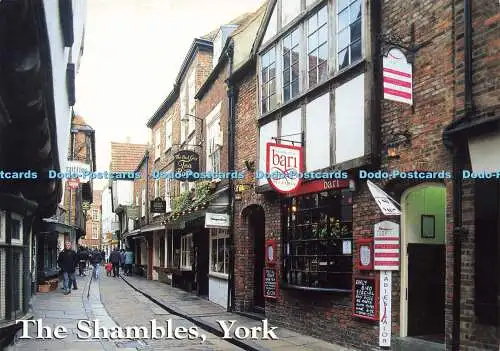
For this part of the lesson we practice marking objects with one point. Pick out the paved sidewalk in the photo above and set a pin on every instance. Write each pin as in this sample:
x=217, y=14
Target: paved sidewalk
x=205, y=314
x=55, y=308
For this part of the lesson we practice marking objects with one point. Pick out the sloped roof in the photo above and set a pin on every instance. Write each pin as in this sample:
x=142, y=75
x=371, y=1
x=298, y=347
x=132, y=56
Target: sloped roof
x=125, y=156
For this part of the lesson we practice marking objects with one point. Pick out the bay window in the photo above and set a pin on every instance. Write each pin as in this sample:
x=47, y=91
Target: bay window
x=291, y=71
x=213, y=149
x=317, y=47
x=348, y=32
x=317, y=241
x=186, y=248
x=219, y=252
x=268, y=79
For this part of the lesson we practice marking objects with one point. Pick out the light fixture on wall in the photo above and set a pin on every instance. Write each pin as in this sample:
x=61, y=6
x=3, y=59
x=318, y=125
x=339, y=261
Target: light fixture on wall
x=399, y=140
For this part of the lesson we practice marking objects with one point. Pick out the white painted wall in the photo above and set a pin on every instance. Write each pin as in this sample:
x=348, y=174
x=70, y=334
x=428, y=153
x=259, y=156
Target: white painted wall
x=266, y=132
x=318, y=133
x=217, y=290
x=59, y=60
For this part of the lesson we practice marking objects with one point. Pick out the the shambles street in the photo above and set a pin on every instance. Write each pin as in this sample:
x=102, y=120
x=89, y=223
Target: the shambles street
x=117, y=302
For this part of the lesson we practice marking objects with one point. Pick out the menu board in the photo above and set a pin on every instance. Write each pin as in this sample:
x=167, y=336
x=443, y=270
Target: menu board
x=365, y=297
x=270, y=283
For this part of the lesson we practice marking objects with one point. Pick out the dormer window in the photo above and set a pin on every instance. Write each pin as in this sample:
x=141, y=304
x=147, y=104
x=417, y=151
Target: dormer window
x=220, y=41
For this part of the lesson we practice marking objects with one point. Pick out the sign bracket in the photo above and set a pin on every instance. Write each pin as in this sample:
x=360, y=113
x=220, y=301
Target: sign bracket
x=301, y=142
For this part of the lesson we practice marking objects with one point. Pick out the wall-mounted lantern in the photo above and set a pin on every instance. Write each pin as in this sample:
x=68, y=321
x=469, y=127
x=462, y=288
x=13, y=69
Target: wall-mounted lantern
x=399, y=141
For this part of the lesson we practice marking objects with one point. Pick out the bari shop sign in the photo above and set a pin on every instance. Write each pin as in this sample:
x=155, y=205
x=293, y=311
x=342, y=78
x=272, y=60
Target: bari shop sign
x=283, y=165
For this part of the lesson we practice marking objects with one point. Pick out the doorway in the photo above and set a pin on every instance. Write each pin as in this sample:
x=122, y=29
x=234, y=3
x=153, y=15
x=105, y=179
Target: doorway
x=256, y=229
x=202, y=244
x=423, y=262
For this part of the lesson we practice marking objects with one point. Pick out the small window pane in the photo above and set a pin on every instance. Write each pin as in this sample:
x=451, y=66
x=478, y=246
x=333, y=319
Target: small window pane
x=312, y=24
x=265, y=60
x=323, y=35
x=343, y=39
x=313, y=59
x=295, y=54
x=272, y=55
x=343, y=59
x=312, y=41
x=295, y=88
x=343, y=19
x=264, y=106
x=15, y=226
x=287, y=43
x=342, y=4
x=323, y=71
x=265, y=75
x=355, y=31
x=356, y=51
x=273, y=101
x=286, y=60
x=286, y=77
x=295, y=71
x=272, y=86
x=312, y=77
x=295, y=37
x=355, y=10
x=272, y=72
x=322, y=53
x=322, y=16
x=286, y=93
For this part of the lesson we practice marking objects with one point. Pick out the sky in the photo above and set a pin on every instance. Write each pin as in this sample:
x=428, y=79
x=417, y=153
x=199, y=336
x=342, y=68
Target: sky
x=133, y=51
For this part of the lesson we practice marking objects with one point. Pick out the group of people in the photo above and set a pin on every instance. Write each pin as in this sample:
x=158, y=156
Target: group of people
x=68, y=260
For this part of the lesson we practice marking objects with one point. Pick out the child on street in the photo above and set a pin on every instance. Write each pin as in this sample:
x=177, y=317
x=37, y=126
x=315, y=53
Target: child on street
x=109, y=268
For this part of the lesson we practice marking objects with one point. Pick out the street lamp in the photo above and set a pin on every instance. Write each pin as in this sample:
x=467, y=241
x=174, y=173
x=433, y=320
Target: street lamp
x=185, y=119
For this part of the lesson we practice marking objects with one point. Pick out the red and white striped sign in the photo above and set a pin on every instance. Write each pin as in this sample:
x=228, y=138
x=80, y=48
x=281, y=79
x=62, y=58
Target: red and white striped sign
x=386, y=246
x=398, y=77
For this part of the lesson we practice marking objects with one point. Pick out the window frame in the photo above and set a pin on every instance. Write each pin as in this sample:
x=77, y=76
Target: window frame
x=185, y=240
x=168, y=134
x=215, y=235
x=191, y=102
x=2, y=282
x=96, y=232
x=213, y=150
x=3, y=218
x=307, y=35
x=275, y=48
x=361, y=39
x=17, y=217
x=157, y=144
x=143, y=202
x=299, y=46
x=182, y=111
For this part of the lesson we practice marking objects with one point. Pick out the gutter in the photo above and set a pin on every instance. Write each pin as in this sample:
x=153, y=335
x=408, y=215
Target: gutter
x=231, y=160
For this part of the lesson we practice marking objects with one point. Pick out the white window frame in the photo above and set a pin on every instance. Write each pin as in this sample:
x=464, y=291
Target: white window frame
x=2, y=227
x=215, y=235
x=168, y=194
x=289, y=66
x=213, y=149
x=157, y=144
x=143, y=202
x=191, y=89
x=186, y=240
x=337, y=31
x=17, y=217
x=265, y=95
x=95, y=233
x=308, y=49
x=168, y=134
x=284, y=21
x=182, y=102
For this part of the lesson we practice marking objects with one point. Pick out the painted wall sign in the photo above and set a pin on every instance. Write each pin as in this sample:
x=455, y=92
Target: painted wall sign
x=383, y=200
x=283, y=164
x=398, y=77
x=270, y=283
x=365, y=298
x=158, y=205
x=385, y=308
x=386, y=252
x=216, y=220
x=186, y=161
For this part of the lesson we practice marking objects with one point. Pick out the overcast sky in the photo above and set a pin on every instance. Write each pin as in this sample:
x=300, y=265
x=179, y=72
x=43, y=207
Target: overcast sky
x=133, y=52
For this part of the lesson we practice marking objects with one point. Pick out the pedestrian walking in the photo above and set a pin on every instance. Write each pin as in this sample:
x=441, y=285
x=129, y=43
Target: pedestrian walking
x=96, y=261
x=129, y=261
x=122, y=260
x=67, y=261
x=82, y=261
x=109, y=268
x=114, y=258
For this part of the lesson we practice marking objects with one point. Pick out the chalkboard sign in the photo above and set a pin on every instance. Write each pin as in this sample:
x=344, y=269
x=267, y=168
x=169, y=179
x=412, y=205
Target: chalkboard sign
x=365, y=298
x=270, y=283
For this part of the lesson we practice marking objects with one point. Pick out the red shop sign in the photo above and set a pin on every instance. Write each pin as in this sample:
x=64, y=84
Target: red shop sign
x=317, y=186
x=271, y=252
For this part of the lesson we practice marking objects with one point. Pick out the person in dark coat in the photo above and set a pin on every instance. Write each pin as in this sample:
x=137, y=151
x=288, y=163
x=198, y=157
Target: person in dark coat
x=115, y=258
x=82, y=261
x=68, y=261
x=96, y=261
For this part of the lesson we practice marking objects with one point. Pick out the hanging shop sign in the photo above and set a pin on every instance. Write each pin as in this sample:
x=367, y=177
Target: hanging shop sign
x=365, y=257
x=85, y=205
x=271, y=252
x=386, y=253
x=73, y=183
x=317, y=186
x=385, y=308
x=270, y=283
x=216, y=220
x=386, y=203
x=79, y=169
x=283, y=165
x=158, y=205
x=398, y=77
x=365, y=297
x=133, y=211
x=186, y=164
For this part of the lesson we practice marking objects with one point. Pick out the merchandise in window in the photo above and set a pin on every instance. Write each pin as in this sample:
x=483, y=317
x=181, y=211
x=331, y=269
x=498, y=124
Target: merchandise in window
x=291, y=65
x=318, y=240
x=317, y=47
x=16, y=228
x=219, y=254
x=268, y=78
x=186, y=248
x=348, y=32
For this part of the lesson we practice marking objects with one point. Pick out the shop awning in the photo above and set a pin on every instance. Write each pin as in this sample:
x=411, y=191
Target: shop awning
x=132, y=233
x=152, y=227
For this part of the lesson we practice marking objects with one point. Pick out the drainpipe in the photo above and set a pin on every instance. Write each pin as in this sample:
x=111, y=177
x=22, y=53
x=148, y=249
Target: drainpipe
x=230, y=165
x=146, y=157
x=458, y=164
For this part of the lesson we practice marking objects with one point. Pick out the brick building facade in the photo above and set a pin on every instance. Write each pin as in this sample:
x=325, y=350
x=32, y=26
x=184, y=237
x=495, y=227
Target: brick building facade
x=93, y=226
